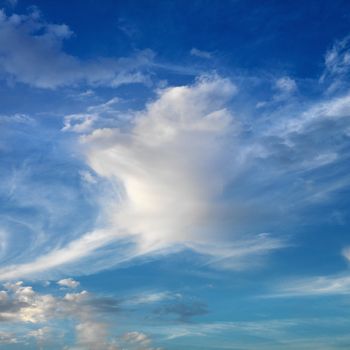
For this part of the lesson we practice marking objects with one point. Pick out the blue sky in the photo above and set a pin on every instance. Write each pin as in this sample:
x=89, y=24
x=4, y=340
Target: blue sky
x=174, y=175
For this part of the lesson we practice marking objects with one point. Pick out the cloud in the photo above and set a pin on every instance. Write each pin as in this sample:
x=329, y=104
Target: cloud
x=73, y=252
x=286, y=333
x=137, y=337
x=139, y=341
x=337, y=66
x=200, y=53
x=79, y=122
x=173, y=168
x=285, y=88
x=16, y=118
x=94, y=116
x=8, y=338
x=92, y=335
x=189, y=172
x=183, y=311
x=315, y=286
x=41, y=313
x=262, y=328
x=337, y=59
x=336, y=284
x=346, y=252
x=41, y=335
x=68, y=282
x=31, y=52
x=21, y=304
x=286, y=85
x=150, y=298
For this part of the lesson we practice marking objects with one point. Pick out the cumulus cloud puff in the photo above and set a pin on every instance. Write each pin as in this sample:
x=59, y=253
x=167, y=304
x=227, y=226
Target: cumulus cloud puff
x=37, y=315
x=68, y=282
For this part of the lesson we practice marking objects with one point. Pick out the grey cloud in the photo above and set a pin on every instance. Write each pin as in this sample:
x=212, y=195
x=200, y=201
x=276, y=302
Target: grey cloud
x=104, y=304
x=31, y=52
x=35, y=316
x=183, y=311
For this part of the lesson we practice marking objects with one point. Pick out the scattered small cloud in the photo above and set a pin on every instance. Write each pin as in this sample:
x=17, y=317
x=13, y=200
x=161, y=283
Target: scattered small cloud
x=337, y=59
x=40, y=314
x=286, y=85
x=68, y=282
x=201, y=53
x=151, y=298
x=139, y=341
x=128, y=28
x=95, y=115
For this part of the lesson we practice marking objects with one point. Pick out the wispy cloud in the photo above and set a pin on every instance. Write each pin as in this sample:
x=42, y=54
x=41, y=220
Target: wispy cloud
x=335, y=284
x=95, y=116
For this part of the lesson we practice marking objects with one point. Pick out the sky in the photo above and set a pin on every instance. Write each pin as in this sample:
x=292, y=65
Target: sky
x=174, y=175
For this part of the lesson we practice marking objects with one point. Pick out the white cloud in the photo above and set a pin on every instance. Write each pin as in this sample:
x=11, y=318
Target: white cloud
x=139, y=340
x=286, y=85
x=94, y=115
x=337, y=67
x=167, y=164
x=173, y=167
x=183, y=174
x=77, y=297
x=91, y=335
x=346, y=253
x=41, y=335
x=334, y=109
x=337, y=59
x=24, y=305
x=79, y=123
x=151, y=298
x=335, y=284
x=84, y=313
x=16, y=118
x=8, y=338
x=200, y=53
x=137, y=337
x=171, y=170
x=322, y=285
x=75, y=250
x=177, y=173
x=88, y=177
x=31, y=52
x=68, y=282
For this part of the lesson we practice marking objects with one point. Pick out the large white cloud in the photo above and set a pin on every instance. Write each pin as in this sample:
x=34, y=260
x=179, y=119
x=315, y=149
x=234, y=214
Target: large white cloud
x=186, y=172
x=173, y=168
